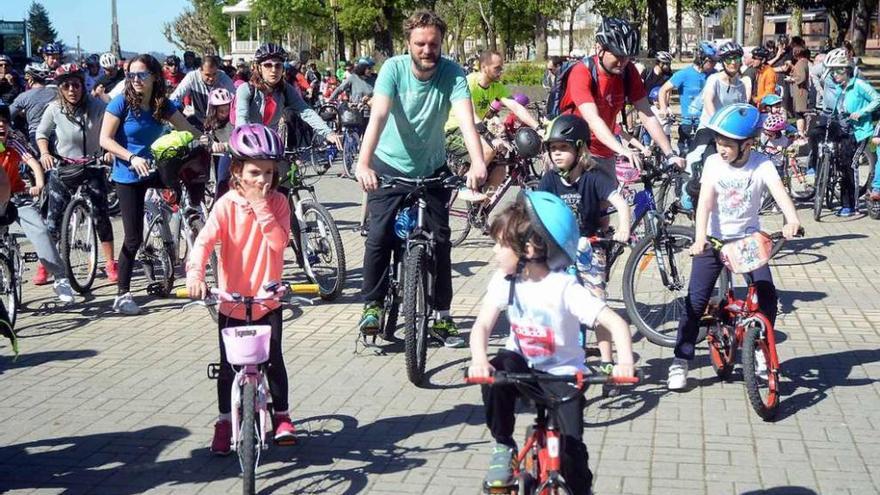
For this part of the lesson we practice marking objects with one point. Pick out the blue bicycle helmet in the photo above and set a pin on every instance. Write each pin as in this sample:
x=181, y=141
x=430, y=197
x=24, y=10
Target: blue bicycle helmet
x=553, y=220
x=771, y=99
x=737, y=121
x=706, y=50
x=654, y=95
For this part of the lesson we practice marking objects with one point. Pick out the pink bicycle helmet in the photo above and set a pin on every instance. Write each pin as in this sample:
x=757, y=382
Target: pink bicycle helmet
x=775, y=122
x=220, y=96
x=255, y=142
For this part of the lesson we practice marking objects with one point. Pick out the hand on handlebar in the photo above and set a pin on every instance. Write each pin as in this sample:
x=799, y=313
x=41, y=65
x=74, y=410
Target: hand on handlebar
x=480, y=370
x=698, y=246
x=634, y=157
x=679, y=162
x=140, y=166
x=624, y=370
x=367, y=178
x=622, y=236
x=47, y=161
x=792, y=230
x=334, y=139
x=198, y=289
x=476, y=175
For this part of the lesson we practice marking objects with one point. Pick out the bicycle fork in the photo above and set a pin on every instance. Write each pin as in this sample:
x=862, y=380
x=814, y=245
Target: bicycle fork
x=250, y=373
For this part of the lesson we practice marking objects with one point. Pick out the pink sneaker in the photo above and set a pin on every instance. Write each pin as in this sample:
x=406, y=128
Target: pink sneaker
x=285, y=433
x=222, y=442
x=42, y=276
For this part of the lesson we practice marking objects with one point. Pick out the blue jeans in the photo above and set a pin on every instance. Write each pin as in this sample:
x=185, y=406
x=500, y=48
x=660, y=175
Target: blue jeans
x=875, y=184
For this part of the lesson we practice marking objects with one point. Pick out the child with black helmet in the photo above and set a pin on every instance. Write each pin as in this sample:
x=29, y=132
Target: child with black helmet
x=535, y=241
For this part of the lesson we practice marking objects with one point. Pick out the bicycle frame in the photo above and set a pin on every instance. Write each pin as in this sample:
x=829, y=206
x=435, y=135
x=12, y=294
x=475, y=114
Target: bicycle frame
x=746, y=311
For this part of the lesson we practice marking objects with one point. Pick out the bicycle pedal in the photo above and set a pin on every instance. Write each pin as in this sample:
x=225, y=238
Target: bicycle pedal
x=213, y=371
x=30, y=257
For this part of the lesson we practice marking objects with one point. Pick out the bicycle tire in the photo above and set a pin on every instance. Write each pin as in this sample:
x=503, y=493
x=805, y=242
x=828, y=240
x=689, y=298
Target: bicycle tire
x=247, y=450
x=821, y=185
x=211, y=271
x=350, y=149
x=415, y=313
x=636, y=264
x=112, y=198
x=8, y=289
x=156, y=257
x=80, y=276
x=390, y=312
x=766, y=407
x=869, y=160
x=327, y=244
x=459, y=219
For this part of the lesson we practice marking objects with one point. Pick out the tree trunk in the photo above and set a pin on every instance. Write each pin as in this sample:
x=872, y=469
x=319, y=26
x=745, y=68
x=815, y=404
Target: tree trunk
x=540, y=37
x=383, y=38
x=756, y=31
x=354, y=50
x=572, y=13
x=340, y=45
x=861, y=23
x=796, y=26
x=678, y=29
x=488, y=19
x=658, y=26
x=841, y=17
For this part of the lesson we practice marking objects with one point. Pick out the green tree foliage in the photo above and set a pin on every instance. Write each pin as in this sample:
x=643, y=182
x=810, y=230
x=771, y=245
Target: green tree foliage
x=191, y=30
x=40, y=27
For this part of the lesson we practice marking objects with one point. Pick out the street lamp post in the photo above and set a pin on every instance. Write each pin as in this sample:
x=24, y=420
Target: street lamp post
x=334, y=5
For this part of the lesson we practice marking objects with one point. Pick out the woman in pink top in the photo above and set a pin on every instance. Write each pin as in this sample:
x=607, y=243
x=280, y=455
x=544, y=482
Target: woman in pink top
x=251, y=223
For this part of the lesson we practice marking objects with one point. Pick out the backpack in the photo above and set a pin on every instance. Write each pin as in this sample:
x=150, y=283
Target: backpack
x=554, y=100
x=233, y=104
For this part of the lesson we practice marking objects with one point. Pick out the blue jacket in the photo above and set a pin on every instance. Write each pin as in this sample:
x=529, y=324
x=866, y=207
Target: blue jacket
x=859, y=97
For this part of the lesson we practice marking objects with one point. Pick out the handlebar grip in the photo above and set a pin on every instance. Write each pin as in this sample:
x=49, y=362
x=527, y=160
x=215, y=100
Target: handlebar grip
x=475, y=380
x=306, y=289
x=182, y=294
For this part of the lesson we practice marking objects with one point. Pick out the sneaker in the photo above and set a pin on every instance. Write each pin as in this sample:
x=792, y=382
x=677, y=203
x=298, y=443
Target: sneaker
x=500, y=472
x=370, y=318
x=42, y=275
x=63, y=290
x=446, y=329
x=222, y=442
x=760, y=365
x=678, y=374
x=285, y=433
x=112, y=271
x=845, y=212
x=125, y=305
x=875, y=195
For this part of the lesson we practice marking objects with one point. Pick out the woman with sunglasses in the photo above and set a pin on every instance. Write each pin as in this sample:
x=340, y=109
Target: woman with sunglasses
x=73, y=121
x=851, y=124
x=132, y=121
x=263, y=99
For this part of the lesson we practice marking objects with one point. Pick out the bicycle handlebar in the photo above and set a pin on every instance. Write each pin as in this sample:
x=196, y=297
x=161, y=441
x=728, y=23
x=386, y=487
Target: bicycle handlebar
x=717, y=244
x=223, y=296
x=442, y=182
x=579, y=380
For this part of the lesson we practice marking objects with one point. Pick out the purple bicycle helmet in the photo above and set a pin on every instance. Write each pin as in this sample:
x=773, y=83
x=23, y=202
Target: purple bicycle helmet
x=255, y=142
x=521, y=98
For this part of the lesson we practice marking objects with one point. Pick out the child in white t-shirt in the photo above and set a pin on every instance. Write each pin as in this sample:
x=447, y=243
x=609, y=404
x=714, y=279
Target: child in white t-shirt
x=731, y=191
x=535, y=241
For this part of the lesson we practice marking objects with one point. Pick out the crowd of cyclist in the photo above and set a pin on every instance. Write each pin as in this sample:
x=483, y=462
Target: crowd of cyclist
x=423, y=106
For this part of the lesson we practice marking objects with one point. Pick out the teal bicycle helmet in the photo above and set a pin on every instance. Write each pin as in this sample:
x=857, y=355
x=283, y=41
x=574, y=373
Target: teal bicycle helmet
x=554, y=221
x=771, y=99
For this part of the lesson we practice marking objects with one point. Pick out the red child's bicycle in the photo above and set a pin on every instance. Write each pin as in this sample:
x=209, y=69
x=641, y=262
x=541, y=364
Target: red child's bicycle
x=538, y=468
x=733, y=323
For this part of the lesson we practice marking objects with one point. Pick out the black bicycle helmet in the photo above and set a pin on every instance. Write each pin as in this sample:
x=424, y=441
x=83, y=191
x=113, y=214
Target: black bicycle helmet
x=761, y=53
x=569, y=129
x=172, y=61
x=730, y=49
x=351, y=118
x=527, y=142
x=269, y=51
x=618, y=37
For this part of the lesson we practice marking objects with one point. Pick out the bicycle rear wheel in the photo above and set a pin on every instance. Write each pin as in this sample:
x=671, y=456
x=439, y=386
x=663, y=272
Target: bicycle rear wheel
x=760, y=376
x=79, y=245
x=866, y=161
x=156, y=258
x=9, y=285
x=247, y=448
x=416, y=311
x=324, y=250
x=655, y=305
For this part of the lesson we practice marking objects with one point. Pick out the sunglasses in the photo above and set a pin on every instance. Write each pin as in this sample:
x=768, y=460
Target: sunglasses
x=272, y=65
x=71, y=85
x=140, y=76
x=838, y=72
x=4, y=64
x=732, y=60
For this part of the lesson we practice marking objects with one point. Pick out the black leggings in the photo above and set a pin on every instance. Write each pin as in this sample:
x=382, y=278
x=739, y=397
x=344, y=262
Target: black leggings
x=276, y=373
x=131, y=208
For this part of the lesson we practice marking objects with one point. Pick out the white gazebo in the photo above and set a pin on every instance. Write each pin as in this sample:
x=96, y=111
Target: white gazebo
x=243, y=48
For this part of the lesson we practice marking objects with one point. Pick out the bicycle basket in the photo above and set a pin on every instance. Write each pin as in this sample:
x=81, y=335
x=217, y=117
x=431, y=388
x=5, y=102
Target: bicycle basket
x=247, y=345
x=351, y=118
x=747, y=254
x=185, y=164
x=71, y=175
x=328, y=113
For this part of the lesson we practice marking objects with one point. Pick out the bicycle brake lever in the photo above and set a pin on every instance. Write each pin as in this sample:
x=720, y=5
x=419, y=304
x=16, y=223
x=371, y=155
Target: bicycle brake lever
x=193, y=303
x=301, y=300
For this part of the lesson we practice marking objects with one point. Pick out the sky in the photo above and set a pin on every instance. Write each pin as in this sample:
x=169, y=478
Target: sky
x=140, y=22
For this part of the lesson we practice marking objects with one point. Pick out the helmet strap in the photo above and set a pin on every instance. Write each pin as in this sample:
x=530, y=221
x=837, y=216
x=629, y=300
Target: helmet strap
x=520, y=267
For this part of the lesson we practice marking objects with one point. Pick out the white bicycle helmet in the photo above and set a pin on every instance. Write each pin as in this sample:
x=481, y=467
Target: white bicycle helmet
x=838, y=59
x=108, y=60
x=663, y=57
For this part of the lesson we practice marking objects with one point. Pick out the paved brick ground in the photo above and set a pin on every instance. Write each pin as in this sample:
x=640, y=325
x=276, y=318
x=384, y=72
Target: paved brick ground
x=99, y=403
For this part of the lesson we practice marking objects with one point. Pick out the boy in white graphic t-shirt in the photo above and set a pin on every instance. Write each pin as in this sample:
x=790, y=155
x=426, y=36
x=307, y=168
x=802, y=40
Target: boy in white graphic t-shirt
x=535, y=241
x=730, y=196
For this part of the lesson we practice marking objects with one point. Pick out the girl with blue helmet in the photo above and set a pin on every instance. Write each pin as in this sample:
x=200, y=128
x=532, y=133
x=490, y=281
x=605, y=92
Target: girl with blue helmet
x=535, y=241
x=732, y=187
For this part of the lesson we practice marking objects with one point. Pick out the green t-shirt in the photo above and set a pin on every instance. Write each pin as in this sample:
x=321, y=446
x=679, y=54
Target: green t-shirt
x=481, y=97
x=413, y=140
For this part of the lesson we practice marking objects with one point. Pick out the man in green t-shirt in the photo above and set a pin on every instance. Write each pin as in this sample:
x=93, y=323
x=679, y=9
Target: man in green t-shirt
x=404, y=138
x=485, y=87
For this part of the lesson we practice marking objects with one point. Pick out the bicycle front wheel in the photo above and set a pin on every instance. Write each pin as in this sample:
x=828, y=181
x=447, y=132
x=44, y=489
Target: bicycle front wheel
x=324, y=250
x=350, y=148
x=9, y=285
x=79, y=245
x=821, y=187
x=760, y=376
x=459, y=219
x=247, y=448
x=655, y=284
x=416, y=311
x=156, y=257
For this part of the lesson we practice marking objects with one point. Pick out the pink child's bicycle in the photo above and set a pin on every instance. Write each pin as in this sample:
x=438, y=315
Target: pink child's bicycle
x=247, y=350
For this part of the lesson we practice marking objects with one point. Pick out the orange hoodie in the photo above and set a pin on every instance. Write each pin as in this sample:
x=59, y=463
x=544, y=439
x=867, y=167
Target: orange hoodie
x=252, y=239
x=766, y=83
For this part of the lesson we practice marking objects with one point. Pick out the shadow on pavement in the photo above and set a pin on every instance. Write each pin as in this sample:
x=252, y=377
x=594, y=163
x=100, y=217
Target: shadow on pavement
x=787, y=298
x=781, y=490
x=31, y=359
x=818, y=375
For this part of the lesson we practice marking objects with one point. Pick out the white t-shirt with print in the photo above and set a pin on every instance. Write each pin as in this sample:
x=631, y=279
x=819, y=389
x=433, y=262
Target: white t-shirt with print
x=545, y=320
x=738, y=193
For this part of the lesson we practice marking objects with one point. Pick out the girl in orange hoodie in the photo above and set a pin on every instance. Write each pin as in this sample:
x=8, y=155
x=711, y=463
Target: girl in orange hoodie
x=251, y=223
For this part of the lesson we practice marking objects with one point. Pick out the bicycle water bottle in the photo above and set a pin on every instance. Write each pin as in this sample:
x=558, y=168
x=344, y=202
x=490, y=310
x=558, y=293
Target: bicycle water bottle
x=405, y=222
